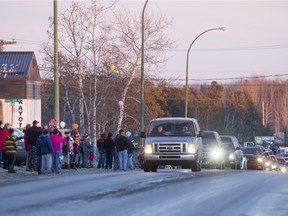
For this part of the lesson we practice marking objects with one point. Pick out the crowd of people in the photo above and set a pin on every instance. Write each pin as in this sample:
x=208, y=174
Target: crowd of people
x=48, y=150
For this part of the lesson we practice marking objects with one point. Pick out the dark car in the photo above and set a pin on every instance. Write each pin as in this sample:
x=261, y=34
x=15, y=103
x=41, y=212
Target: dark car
x=229, y=145
x=213, y=154
x=254, y=157
x=21, y=153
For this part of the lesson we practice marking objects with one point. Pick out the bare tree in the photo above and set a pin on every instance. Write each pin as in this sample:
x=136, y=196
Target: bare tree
x=128, y=42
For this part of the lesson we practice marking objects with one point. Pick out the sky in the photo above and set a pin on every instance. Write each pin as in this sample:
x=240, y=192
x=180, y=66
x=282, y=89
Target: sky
x=254, y=42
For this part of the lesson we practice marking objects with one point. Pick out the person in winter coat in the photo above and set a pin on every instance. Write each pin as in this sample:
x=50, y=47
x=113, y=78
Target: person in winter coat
x=86, y=145
x=67, y=150
x=26, y=145
x=101, y=150
x=109, y=147
x=76, y=138
x=32, y=135
x=3, y=134
x=10, y=150
x=122, y=146
x=56, y=140
x=44, y=145
x=130, y=151
x=91, y=157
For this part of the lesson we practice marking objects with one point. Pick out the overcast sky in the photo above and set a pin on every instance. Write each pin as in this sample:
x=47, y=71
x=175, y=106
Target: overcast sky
x=254, y=42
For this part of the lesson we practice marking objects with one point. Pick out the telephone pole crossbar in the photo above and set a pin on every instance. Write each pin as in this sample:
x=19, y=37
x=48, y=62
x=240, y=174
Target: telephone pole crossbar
x=3, y=43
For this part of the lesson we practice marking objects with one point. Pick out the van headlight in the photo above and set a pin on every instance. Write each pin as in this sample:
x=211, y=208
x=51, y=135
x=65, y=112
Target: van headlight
x=148, y=149
x=191, y=148
x=216, y=153
x=231, y=156
x=260, y=160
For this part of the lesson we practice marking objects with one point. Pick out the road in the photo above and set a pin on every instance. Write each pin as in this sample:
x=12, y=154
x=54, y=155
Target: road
x=167, y=192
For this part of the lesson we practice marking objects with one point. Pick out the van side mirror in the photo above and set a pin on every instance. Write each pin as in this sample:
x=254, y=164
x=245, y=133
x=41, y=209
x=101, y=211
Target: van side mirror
x=200, y=134
x=142, y=134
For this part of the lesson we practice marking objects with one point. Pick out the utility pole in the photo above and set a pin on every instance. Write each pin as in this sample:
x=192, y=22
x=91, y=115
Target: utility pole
x=3, y=43
x=56, y=69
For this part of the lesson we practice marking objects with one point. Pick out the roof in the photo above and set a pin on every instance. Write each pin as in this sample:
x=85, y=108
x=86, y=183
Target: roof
x=173, y=119
x=15, y=64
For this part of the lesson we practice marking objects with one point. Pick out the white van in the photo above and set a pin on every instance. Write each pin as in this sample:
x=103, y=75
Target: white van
x=173, y=141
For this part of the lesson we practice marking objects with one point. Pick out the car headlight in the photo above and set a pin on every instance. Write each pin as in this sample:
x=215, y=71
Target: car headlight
x=273, y=166
x=148, y=149
x=283, y=169
x=191, y=148
x=267, y=164
x=260, y=160
x=216, y=153
x=231, y=156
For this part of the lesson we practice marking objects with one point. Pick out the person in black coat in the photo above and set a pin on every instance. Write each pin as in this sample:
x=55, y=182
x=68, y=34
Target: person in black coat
x=33, y=134
x=109, y=147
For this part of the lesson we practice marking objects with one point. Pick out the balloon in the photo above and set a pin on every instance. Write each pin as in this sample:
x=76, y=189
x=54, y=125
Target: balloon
x=128, y=134
x=135, y=135
x=75, y=126
x=120, y=103
x=112, y=67
x=62, y=124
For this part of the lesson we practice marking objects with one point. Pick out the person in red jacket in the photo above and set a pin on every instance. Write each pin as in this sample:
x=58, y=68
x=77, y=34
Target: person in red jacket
x=3, y=134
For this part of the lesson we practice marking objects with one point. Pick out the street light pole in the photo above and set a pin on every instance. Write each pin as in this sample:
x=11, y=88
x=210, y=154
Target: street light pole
x=56, y=69
x=187, y=60
x=142, y=75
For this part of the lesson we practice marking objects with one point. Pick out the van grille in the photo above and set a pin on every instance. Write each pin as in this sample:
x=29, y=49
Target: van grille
x=170, y=147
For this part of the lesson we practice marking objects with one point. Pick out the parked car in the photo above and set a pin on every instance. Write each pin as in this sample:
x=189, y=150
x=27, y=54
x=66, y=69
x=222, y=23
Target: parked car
x=21, y=153
x=282, y=164
x=254, y=157
x=213, y=154
x=229, y=145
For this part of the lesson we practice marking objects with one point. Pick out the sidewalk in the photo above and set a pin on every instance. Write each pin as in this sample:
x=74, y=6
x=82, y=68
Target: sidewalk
x=23, y=174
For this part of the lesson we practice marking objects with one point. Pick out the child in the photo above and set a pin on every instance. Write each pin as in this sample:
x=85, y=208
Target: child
x=91, y=157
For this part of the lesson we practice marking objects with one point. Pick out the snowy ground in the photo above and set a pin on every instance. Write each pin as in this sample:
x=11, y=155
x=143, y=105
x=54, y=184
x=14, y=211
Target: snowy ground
x=167, y=192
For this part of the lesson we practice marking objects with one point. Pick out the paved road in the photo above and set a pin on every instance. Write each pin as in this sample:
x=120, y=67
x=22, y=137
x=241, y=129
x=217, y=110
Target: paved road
x=167, y=192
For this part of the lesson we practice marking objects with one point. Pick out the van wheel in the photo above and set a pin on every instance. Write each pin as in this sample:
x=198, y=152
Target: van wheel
x=154, y=168
x=147, y=167
x=196, y=167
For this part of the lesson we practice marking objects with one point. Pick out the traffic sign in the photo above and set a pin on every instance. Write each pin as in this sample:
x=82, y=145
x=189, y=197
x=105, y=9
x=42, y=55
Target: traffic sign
x=10, y=100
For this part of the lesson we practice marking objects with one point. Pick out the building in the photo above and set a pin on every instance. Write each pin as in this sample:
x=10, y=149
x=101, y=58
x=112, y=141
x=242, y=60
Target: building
x=20, y=83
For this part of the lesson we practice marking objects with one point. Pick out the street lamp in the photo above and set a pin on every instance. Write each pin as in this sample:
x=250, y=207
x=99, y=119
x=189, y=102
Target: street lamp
x=142, y=75
x=187, y=59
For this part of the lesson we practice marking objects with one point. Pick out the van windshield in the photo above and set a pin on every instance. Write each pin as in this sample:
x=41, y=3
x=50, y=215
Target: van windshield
x=171, y=128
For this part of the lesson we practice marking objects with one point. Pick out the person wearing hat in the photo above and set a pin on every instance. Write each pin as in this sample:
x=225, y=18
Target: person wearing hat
x=86, y=145
x=33, y=134
x=122, y=146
